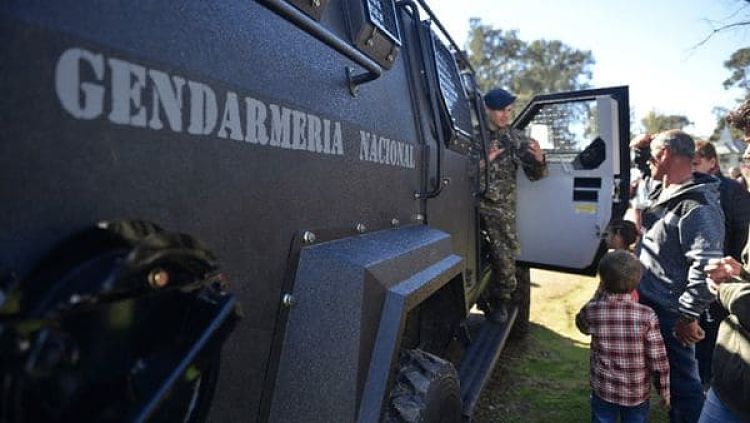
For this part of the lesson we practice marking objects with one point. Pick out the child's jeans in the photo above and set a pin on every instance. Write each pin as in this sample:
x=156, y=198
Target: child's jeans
x=607, y=412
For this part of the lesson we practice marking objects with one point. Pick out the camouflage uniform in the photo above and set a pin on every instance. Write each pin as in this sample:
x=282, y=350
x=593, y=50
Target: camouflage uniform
x=498, y=208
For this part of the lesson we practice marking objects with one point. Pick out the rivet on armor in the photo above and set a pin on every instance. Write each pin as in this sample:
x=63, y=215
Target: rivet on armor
x=288, y=300
x=158, y=278
x=308, y=237
x=23, y=345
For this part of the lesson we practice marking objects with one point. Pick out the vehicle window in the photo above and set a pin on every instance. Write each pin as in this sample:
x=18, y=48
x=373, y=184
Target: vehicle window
x=455, y=102
x=565, y=130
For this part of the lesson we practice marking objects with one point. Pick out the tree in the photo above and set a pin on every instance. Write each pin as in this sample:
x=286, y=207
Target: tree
x=654, y=122
x=501, y=59
x=495, y=54
x=739, y=64
x=739, y=61
x=552, y=66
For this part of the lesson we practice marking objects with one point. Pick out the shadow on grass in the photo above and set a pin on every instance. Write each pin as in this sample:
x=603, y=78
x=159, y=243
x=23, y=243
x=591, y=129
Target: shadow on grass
x=542, y=378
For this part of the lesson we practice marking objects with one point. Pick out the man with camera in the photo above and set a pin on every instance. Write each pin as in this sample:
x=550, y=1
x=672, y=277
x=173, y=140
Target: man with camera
x=683, y=228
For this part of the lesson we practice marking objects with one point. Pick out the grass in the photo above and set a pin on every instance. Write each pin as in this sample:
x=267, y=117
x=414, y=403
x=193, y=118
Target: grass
x=544, y=377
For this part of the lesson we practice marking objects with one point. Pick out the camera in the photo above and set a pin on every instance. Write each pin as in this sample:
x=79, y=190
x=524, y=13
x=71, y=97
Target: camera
x=642, y=156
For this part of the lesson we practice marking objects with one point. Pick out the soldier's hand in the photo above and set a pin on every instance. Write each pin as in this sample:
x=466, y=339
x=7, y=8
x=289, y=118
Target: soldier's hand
x=535, y=150
x=494, y=153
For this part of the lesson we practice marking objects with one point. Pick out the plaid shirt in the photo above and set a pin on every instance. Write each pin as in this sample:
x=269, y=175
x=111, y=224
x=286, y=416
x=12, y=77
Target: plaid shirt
x=626, y=347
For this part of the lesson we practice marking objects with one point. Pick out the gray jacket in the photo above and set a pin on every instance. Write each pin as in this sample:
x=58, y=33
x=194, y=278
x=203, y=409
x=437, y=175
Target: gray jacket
x=680, y=234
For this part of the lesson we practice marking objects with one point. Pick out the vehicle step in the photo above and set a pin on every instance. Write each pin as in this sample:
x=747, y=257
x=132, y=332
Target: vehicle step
x=487, y=341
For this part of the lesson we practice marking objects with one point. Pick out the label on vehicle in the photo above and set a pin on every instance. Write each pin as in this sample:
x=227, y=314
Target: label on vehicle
x=586, y=208
x=91, y=86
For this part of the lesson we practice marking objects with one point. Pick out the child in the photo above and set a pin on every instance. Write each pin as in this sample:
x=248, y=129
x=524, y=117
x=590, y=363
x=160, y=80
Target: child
x=626, y=346
x=621, y=235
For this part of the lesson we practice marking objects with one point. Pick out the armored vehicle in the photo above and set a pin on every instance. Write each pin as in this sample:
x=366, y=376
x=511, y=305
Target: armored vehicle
x=265, y=211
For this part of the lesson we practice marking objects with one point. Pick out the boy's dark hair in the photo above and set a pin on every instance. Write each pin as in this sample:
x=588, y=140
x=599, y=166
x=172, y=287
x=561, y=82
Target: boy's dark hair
x=625, y=228
x=619, y=271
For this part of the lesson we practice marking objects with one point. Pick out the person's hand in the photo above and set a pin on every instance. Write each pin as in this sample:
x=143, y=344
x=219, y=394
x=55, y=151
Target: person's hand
x=494, y=153
x=665, y=401
x=535, y=150
x=688, y=332
x=720, y=270
x=581, y=323
x=641, y=141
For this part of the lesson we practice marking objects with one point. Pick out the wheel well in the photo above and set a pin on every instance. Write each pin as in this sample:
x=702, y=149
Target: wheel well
x=433, y=324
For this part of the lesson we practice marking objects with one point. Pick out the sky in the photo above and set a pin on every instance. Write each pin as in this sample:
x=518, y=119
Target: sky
x=648, y=45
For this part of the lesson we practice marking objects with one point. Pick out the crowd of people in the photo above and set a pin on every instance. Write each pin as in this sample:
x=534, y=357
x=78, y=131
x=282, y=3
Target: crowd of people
x=673, y=304
x=691, y=225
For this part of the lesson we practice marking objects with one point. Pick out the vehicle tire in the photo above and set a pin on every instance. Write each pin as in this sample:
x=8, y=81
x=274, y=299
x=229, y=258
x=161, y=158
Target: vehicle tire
x=522, y=298
x=425, y=390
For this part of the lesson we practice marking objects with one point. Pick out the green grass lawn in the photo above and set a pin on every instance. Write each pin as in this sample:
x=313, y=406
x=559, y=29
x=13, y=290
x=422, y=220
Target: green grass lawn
x=544, y=377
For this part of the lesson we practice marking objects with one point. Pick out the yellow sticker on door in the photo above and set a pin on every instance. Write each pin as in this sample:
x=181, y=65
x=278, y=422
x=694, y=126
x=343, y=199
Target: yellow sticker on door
x=585, y=208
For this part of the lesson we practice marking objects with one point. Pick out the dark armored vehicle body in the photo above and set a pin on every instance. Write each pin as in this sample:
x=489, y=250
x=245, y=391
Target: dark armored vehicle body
x=264, y=211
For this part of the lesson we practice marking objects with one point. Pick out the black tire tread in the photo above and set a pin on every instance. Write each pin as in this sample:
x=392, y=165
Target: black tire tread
x=419, y=372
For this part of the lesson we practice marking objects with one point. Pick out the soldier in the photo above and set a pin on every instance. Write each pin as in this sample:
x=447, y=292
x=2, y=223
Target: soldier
x=508, y=150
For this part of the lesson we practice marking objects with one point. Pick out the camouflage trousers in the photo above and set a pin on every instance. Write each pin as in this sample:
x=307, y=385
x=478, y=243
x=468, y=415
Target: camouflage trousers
x=503, y=250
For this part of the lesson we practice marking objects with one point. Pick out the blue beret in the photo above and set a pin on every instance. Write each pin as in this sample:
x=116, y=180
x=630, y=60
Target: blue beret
x=498, y=99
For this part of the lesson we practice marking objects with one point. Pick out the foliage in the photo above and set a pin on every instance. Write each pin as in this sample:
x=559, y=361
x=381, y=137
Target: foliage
x=502, y=59
x=654, y=122
x=738, y=64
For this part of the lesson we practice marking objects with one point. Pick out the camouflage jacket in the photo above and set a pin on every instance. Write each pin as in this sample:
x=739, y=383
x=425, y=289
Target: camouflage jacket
x=500, y=198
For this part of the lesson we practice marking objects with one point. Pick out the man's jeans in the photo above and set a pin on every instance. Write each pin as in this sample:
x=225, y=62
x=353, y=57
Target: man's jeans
x=685, y=382
x=607, y=412
x=714, y=411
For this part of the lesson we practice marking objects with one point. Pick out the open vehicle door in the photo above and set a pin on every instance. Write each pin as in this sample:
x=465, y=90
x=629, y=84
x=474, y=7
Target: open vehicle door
x=561, y=218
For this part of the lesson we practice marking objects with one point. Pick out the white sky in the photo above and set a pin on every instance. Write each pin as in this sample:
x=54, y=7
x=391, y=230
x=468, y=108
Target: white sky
x=647, y=45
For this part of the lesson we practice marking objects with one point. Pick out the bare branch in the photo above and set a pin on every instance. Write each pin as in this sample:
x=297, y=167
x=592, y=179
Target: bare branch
x=719, y=29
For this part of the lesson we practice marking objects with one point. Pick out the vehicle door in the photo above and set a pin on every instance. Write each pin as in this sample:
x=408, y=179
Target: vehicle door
x=562, y=217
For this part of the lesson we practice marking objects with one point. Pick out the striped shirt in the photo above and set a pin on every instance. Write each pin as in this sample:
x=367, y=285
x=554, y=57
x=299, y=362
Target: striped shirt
x=626, y=349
